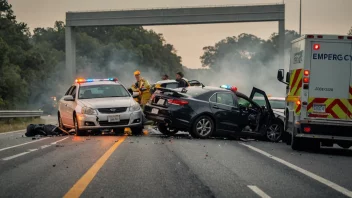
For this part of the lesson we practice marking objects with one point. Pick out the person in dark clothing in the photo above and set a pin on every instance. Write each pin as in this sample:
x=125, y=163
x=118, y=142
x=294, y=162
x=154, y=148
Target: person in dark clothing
x=182, y=82
x=165, y=77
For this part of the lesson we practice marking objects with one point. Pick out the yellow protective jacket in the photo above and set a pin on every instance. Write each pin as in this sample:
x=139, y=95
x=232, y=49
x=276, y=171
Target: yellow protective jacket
x=143, y=87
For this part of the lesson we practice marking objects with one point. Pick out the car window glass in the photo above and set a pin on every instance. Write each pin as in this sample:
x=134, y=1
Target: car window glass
x=244, y=102
x=277, y=104
x=73, y=92
x=224, y=98
x=172, y=85
x=68, y=91
x=213, y=98
x=102, y=91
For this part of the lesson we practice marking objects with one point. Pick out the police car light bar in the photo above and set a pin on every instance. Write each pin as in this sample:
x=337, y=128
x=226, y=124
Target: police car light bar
x=228, y=87
x=82, y=80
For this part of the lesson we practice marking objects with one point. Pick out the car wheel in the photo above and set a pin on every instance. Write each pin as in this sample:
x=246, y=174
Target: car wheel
x=78, y=131
x=137, y=130
x=61, y=125
x=166, y=130
x=203, y=127
x=274, y=131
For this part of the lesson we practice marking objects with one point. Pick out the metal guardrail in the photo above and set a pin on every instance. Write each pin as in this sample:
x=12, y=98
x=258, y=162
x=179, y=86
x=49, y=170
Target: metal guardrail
x=19, y=114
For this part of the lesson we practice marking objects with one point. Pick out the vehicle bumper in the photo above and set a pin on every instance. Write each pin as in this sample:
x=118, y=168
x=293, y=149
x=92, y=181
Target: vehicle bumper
x=325, y=129
x=100, y=121
x=169, y=120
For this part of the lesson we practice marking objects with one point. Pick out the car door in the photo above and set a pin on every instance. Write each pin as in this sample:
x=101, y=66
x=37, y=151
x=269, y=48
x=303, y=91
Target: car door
x=71, y=105
x=63, y=107
x=267, y=114
x=225, y=110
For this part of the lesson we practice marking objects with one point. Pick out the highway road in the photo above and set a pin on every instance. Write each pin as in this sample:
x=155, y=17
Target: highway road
x=153, y=165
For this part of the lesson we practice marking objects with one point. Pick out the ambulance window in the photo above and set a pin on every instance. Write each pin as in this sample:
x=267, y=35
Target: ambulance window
x=73, y=92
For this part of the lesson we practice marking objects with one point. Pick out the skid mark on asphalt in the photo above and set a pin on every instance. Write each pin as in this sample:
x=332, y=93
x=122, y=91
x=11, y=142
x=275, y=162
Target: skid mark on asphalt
x=32, y=150
x=258, y=191
x=23, y=144
x=303, y=171
x=79, y=187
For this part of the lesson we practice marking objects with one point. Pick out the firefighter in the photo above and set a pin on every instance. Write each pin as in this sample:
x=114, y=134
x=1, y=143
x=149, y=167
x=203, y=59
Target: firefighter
x=182, y=82
x=143, y=87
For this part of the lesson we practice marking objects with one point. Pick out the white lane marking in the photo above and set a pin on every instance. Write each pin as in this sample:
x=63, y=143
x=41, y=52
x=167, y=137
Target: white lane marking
x=23, y=130
x=44, y=146
x=14, y=156
x=305, y=172
x=23, y=144
x=60, y=140
x=31, y=150
x=258, y=191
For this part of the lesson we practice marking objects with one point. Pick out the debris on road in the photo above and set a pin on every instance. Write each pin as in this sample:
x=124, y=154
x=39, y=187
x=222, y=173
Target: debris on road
x=54, y=165
x=44, y=130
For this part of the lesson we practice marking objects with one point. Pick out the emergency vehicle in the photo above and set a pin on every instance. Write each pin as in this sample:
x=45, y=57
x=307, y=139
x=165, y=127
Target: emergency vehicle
x=319, y=92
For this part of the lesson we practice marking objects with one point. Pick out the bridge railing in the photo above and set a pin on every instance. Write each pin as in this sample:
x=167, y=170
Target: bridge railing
x=19, y=114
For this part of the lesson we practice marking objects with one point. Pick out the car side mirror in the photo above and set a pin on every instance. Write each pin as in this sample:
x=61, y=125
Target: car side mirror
x=69, y=98
x=288, y=77
x=130, y=90
x=280, y=75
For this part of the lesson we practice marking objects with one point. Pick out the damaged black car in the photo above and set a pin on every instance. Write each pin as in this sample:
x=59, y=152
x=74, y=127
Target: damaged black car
x=212, y=111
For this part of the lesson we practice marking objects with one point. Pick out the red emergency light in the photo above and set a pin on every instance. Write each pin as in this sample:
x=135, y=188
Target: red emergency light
x=316, y=46
x=306, y=72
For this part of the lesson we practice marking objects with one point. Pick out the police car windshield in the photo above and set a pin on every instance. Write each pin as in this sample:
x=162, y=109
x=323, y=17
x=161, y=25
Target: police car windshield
x=102, y=91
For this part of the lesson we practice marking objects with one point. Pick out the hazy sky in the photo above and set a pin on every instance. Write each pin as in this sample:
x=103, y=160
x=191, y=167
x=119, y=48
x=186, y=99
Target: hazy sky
x=318, y=16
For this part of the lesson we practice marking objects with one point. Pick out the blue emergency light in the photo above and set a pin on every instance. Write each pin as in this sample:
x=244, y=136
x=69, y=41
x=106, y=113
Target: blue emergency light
x=82, y=80
x=228, y=87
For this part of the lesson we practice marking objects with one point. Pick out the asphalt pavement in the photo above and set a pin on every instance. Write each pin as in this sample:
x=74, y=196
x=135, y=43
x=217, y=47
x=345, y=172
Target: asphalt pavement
x=153, y=165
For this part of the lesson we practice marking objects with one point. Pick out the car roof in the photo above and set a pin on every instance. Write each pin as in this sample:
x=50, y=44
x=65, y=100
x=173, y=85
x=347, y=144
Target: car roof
x=98, y=83
x=211, y=88
x=165, y=81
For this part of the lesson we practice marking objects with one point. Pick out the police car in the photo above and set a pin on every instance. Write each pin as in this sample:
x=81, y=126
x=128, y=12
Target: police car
x=96, y=104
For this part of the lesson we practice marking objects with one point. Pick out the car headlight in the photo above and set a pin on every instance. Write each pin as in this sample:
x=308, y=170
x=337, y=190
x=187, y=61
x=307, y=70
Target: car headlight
x=135, y=107
x=89, y=111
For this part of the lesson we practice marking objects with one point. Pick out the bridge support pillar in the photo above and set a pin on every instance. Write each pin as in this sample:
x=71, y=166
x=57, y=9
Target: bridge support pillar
x=70, y=53
x=282, y=43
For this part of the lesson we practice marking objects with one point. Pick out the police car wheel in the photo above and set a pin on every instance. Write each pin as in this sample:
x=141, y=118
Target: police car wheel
x=78, y=131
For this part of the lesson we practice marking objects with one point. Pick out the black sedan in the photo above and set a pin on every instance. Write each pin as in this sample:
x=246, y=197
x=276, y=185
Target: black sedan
x=211, y=111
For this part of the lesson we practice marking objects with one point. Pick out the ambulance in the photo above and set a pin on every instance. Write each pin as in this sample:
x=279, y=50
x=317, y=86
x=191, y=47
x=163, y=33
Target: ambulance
x=319, y=92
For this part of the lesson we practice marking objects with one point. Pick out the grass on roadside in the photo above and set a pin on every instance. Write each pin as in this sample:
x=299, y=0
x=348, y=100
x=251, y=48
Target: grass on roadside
x=14, y=124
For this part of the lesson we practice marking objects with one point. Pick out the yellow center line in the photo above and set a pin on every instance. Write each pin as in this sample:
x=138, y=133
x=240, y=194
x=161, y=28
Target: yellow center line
x=83, y=182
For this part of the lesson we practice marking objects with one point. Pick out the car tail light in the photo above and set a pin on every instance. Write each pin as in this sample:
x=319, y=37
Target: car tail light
x=340, y=37
x=349, y=37
x=306, y=129
x=319, y=36
x=316, y=46
x=177, y=102
x=310, y=36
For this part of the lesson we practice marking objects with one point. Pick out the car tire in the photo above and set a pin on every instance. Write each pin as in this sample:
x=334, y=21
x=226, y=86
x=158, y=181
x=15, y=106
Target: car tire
x=166, y=130
x=275, y=130
x=137, y=130
x=78, y=131
x=202, y=127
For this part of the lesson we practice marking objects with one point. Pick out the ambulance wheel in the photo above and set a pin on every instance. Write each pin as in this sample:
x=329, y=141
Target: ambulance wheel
x=296, y=143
